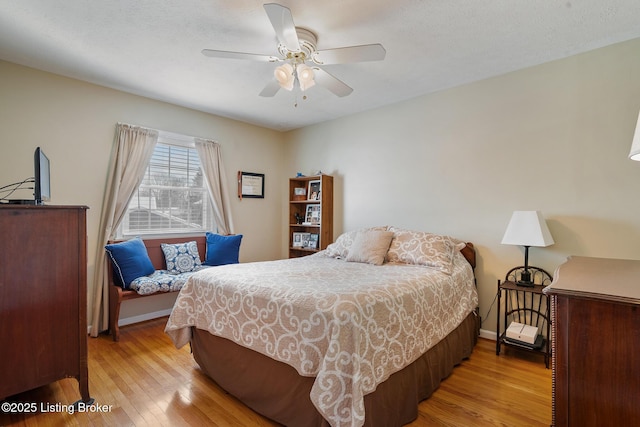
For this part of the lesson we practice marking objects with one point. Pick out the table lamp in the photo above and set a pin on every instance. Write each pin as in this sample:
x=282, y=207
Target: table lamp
x=527, y=228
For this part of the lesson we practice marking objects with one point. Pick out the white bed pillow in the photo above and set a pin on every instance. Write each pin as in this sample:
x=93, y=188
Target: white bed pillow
x=340, y=248
x=370, y=246
x=422, y=248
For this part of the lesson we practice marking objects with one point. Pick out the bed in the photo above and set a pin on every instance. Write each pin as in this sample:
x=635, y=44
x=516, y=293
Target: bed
x=357, y=334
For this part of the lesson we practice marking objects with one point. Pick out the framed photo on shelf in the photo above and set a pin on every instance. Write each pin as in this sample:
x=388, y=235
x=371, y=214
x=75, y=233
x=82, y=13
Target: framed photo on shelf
x=314, y=190
x=312, y=216
x=300, y=240
x=313, y=241
x=299, y=193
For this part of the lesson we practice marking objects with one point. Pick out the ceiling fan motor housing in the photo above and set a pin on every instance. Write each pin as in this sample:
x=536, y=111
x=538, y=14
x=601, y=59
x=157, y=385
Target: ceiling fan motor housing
x=307, y=40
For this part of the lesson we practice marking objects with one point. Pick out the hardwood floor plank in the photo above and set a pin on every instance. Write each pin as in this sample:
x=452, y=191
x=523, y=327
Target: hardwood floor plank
x=488, y=390
x=145, y=381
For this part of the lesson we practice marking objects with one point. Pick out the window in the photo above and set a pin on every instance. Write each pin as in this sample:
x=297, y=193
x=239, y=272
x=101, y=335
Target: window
x=173, y=196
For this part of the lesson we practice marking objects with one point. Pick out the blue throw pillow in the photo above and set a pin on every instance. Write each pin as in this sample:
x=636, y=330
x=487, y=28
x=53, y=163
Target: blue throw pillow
x=130, y=260
x=181, y=257
x=222, y=250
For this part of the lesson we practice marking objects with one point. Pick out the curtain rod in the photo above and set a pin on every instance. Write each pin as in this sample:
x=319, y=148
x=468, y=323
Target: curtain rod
x=170, y=135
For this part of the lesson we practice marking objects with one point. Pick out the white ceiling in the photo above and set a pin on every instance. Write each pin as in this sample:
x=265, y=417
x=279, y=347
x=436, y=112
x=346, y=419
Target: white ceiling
x=152, y=47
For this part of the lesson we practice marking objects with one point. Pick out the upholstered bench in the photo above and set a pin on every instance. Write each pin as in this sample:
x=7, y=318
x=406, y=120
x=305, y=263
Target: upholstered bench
x=141, y=268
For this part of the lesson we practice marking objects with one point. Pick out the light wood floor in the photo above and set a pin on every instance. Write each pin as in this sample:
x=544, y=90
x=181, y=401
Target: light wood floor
x=143, y=380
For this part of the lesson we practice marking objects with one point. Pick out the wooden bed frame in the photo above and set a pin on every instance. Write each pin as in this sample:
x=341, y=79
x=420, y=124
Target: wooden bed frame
x=276, y=390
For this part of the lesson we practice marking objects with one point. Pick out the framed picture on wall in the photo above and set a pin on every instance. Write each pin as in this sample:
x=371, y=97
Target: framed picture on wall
x=250, y=185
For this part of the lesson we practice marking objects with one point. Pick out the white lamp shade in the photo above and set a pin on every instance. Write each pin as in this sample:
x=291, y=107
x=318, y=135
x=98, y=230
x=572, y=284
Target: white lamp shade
x=634, y=154
x=527, y=228
x=305, y=76
x=284, y=76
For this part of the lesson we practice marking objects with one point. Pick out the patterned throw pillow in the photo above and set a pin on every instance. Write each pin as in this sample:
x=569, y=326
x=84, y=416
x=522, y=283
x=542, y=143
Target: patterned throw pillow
x=181, y=257
x=422, y=248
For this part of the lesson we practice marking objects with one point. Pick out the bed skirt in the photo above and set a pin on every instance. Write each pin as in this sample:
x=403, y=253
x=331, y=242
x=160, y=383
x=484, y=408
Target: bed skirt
x=276, y=390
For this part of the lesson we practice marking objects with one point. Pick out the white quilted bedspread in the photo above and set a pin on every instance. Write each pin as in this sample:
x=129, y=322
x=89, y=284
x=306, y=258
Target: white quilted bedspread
x=350, y=325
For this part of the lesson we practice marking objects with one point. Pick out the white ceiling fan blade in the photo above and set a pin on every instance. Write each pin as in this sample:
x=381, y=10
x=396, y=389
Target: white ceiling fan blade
x=335, y=85
x=270, y=89
x=367, y=52
x=239, y=55
x=282, y=22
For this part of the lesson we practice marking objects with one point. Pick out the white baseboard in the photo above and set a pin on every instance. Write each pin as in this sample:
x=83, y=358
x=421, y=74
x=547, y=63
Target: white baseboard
x=143, y=317
x=490, y=335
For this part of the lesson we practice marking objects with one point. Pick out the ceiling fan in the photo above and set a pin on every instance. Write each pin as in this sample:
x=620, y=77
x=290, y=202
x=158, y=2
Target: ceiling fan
x=297, y=47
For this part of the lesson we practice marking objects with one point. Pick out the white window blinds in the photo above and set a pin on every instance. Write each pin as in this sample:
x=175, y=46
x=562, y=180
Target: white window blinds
x=172, y=197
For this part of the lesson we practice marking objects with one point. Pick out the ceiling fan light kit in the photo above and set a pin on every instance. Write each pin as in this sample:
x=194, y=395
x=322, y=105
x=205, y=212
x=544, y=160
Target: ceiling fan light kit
x=284, y=76
x=297, y=45
x=305, y=76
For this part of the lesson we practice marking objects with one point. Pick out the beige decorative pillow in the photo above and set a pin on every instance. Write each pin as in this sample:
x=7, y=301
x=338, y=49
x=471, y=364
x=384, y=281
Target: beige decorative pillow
x=340, y=248
x=370, y=247
x=422, y=248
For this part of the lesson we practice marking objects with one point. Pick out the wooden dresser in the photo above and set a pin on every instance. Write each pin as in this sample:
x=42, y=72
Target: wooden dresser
x=595, y=307
x=43, y=297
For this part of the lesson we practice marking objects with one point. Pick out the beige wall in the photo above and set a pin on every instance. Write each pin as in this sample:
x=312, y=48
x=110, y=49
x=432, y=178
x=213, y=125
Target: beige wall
x=75, y=122
x=553, y=138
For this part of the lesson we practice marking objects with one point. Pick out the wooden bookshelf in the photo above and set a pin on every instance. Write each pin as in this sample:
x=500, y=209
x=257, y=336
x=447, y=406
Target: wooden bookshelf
x=310, y=214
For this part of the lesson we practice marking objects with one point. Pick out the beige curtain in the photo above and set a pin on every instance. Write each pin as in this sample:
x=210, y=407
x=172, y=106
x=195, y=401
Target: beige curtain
x=132, y=150
x=211, y=160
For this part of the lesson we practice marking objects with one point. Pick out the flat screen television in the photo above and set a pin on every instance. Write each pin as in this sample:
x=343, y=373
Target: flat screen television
x=42, y=177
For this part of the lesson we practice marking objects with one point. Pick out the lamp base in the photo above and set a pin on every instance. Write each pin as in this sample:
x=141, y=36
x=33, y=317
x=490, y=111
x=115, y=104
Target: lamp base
x=525, y=277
